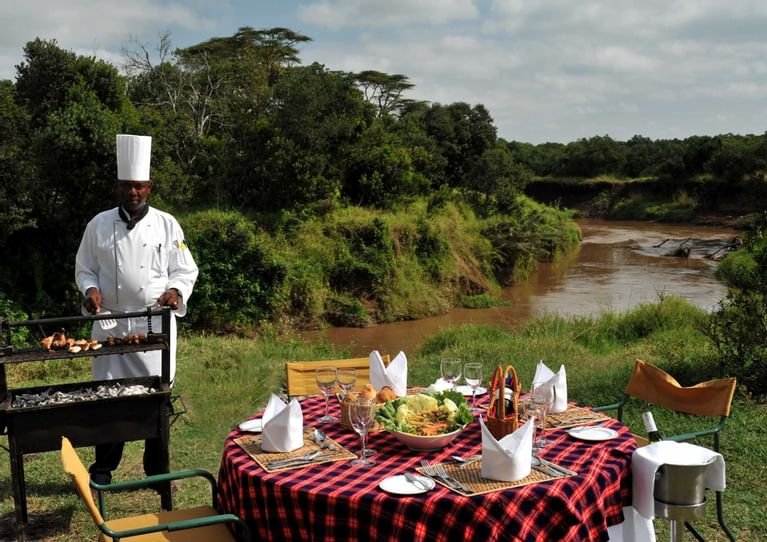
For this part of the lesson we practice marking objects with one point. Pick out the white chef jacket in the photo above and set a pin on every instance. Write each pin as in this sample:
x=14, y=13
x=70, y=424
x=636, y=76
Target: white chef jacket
x=132, y=268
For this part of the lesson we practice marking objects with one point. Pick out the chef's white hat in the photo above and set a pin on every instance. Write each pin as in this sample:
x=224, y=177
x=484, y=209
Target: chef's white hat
x=133, y=157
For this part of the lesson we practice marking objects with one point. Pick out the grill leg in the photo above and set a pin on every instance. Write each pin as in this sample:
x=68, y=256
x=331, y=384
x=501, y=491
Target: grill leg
x=19, y=488
x=166, y=497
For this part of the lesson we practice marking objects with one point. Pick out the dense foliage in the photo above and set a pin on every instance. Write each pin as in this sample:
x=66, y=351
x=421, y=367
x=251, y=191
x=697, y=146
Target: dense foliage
x=739, y=327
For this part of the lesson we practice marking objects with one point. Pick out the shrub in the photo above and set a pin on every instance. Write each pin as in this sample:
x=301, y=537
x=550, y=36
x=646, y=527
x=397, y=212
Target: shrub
x=240, y=281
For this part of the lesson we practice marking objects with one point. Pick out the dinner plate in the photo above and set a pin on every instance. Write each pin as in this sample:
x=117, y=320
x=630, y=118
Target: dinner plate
x=400, y=486
x=466, y=390
x=595, y=434
x=252, y=426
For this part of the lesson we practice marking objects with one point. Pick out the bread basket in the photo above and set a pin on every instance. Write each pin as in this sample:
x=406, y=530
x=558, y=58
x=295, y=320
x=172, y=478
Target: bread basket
x=503, y=417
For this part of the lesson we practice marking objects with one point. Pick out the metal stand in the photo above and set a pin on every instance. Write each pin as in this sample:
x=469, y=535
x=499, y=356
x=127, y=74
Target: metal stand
x=679, y=496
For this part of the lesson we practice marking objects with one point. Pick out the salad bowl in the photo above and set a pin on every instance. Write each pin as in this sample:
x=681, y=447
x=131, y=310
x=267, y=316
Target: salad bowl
x=426, y=443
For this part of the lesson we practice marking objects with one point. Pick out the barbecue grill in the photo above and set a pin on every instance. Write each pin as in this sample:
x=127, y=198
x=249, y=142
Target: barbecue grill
x=87, y=418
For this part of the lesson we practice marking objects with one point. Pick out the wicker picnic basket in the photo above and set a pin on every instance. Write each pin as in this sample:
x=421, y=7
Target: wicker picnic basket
x=503, y=419
x=346, y=421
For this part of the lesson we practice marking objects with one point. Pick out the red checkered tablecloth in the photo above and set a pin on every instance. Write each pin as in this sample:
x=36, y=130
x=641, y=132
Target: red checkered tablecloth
x=338, y=501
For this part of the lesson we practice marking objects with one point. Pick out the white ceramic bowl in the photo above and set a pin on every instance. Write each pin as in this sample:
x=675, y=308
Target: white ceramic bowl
x=421, y=443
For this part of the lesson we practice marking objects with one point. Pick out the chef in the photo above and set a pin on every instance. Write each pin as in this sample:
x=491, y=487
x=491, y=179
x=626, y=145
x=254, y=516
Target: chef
x=132, y=257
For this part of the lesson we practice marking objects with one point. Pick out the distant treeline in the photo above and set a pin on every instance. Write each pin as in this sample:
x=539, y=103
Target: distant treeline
x=240, y=126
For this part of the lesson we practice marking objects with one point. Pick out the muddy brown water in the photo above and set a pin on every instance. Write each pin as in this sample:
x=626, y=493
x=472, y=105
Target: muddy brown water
x=617, y=266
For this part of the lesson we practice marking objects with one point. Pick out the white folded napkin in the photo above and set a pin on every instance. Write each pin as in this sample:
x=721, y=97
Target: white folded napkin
x=546, y=377
x=283, y=426
x=645, y=462
x=394, y=376
x=508, y=459
x=439, y=385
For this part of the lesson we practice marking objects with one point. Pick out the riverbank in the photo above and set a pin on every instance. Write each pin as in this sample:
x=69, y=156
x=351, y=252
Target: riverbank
x=225, y=379
x=702, y=202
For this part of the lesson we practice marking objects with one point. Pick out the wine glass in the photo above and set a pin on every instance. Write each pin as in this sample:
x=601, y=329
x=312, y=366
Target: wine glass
x=362, y=416
x=347, y=377
x=543, y=397
x=451, y=370
x=532, y=410
x=472, y=373
x=326, y=377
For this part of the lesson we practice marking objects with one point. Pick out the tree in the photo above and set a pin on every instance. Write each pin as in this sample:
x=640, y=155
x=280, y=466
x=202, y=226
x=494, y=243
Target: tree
x=499, y=179
x=384, y=90
x=463, y=133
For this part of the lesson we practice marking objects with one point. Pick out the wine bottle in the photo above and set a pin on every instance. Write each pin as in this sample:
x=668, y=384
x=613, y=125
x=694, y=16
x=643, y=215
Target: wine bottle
x=653, y=435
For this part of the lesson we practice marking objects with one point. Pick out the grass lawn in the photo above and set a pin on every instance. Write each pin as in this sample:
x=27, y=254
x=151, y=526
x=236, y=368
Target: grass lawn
x=224, y=379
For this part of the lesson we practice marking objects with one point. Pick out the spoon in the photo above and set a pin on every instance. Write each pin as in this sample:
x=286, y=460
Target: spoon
x=417, y=481
x=465, y=460
x=321, y=439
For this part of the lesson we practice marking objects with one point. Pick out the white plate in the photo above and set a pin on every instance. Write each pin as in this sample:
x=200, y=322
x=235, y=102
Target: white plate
x=400, y=486
x=466, y=390
x=593, y=433
x=252, y=426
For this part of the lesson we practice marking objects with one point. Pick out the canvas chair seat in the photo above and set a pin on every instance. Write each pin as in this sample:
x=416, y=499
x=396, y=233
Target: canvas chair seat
x=208, y=533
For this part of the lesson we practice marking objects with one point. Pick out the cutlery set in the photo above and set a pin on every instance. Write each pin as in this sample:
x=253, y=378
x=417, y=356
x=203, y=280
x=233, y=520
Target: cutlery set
x=439, y=472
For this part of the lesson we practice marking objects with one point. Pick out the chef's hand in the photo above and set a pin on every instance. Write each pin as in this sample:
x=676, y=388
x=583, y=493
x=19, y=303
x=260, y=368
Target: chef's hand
x=92, y=300
x=171, y=298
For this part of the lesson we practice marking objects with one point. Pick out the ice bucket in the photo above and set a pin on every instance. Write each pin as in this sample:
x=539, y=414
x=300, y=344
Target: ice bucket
x=680, y=485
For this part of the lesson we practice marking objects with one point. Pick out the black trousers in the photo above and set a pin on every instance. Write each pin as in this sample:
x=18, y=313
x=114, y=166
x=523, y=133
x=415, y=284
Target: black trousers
x=108, y=457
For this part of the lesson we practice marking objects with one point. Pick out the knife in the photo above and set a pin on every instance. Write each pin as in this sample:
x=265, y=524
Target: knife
x=560, y=471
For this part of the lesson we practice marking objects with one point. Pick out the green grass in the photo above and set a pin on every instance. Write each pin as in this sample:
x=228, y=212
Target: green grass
x=224, y=379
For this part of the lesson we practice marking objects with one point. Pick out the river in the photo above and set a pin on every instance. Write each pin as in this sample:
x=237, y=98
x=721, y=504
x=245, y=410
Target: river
x=617, y=266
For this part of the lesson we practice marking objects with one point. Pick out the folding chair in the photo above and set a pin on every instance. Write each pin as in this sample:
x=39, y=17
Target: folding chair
x=199, y=524
x=300, y=379
x=710, y=399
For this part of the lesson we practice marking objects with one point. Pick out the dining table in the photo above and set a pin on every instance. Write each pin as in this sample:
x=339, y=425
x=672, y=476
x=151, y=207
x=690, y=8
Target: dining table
x=340, y=501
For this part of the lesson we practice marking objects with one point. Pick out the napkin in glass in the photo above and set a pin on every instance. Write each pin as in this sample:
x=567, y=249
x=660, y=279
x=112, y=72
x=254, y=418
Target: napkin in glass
x=646, y=461
x=394, y=376
x=283, y=426
x=546, y=377
x=439, y=385
x=507, y=459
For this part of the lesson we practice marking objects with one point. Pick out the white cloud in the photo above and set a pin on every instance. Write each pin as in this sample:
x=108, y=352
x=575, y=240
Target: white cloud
x=337, y=14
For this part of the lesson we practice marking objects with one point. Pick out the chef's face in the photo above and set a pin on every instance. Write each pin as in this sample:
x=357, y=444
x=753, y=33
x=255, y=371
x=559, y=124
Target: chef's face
x=133, y=194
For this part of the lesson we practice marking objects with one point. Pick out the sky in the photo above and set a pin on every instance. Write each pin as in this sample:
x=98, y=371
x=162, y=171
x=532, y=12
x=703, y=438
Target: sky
x=546, y=70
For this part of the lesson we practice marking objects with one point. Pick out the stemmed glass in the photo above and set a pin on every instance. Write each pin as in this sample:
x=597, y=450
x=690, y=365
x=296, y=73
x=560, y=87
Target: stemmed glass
x=472, y=373
x=362, y=415
x=532, y=410
x=327, y=377
x=542, y=398
x=347, y=377
x=451, y=370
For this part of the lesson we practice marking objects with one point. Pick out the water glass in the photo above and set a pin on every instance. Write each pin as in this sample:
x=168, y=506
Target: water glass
x=472, y=373
x=542, y=398
x=450, y=368
x=347, y=377
x=327, y=378
x=362, y=415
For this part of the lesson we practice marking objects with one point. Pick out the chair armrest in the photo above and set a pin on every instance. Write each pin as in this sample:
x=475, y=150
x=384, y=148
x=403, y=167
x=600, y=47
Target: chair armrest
x=178, y=526
x=613, y=406
x=691, y=435
x=159, y=478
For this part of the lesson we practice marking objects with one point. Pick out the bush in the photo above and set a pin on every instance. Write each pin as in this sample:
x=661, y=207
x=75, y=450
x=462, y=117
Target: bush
x=240, y=280
x=739, y=327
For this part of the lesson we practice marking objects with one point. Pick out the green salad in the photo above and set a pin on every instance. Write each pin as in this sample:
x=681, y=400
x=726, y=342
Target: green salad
x=425, y=414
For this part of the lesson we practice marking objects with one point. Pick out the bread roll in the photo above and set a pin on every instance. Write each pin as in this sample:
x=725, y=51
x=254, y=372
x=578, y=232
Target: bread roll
x=385, y=394
x=368, y=392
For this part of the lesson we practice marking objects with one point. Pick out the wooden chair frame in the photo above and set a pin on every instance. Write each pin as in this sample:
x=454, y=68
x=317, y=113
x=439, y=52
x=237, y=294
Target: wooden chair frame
x=712, y=398
x=169, y=525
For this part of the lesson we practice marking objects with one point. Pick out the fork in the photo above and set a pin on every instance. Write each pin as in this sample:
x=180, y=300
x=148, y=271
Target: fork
x=440, y=470
x=433, y=472
x=107, y=323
